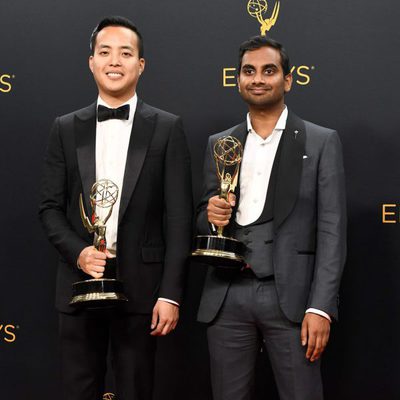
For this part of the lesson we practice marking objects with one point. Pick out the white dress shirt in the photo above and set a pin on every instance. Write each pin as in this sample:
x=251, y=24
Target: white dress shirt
x=258, y=160
x=112, y=142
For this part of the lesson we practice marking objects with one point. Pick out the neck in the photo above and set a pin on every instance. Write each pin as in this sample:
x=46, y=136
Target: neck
x=264, y=120
x=116, y=101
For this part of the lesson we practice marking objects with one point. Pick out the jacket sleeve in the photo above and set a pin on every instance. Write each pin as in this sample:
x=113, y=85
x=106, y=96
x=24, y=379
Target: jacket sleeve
x=331, y=228
x=178, y=203
x=54, y=200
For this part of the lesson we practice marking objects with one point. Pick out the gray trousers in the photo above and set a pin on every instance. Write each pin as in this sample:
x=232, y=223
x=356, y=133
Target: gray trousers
x=250, y=314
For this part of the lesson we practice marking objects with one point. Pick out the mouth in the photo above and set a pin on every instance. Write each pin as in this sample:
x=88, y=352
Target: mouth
x=114, y=75
x=258, y=90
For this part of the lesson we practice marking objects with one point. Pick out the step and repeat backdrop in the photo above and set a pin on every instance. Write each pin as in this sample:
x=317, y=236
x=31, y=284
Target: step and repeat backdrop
x=345, y=58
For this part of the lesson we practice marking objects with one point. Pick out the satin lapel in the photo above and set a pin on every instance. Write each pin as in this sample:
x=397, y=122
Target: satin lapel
x=290, y=168
x=141, y=135
x=85, y=139
x=240, y=132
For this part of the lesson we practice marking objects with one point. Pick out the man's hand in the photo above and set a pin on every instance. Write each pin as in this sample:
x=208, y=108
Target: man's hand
x=92, y=261
x=164, y=319
x=315, y=334
x=219, y=211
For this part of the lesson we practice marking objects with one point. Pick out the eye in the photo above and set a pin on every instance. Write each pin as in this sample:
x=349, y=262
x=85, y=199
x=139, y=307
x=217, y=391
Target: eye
x=269, y=71
x=103, y=52
x=127, y=54
x=248, y=71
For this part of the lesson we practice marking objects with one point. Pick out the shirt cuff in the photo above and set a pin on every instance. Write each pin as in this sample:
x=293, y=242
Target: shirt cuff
x=169, y=301
x=319, y=312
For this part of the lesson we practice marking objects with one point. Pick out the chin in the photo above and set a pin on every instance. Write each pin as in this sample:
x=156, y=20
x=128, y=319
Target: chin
x=260, y=102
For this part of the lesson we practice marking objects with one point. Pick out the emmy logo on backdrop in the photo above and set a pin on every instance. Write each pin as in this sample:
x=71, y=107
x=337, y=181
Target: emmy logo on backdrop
x=219, y=250
x=258, y=8
x=108, y=291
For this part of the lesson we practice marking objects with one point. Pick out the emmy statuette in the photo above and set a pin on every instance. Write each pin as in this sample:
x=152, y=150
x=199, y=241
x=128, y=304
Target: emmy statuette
x=257, y=9
x=219, y=250
x=103, y=292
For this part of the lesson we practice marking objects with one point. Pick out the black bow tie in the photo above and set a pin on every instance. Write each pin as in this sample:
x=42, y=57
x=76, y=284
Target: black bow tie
x=105, y=113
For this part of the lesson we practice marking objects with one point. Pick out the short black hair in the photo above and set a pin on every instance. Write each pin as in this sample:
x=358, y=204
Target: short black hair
x=116, y=21
x=256, y=42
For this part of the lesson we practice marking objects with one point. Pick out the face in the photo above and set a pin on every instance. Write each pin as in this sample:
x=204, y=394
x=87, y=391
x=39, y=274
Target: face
x=115, y=64
x=261, y=82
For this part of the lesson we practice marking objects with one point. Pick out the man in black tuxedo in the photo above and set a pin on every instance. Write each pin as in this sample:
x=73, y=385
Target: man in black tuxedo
x=143, y=150
x=290, y=212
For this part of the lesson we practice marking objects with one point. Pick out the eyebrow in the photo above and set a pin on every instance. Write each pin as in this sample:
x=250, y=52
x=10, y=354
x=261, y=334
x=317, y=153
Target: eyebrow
x=106, y=46
x=264, y=66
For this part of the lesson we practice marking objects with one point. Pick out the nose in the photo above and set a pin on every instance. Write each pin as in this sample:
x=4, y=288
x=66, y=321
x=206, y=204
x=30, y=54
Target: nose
x=258, y=77
x=115, y=59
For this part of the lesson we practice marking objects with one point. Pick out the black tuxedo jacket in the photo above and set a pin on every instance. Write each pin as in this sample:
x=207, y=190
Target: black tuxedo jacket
x=154, y=230
x=309, y=217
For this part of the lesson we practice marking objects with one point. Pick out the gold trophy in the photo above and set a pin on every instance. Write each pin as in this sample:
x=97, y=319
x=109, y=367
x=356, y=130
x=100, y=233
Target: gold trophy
x=108, y=291
x=217, y=249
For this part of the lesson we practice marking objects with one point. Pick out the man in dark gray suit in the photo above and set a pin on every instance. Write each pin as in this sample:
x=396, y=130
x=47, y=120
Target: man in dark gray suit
x=290, y=212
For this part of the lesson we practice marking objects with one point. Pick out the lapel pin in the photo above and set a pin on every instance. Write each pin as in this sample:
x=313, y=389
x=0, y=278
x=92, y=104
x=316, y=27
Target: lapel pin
x=295, y=134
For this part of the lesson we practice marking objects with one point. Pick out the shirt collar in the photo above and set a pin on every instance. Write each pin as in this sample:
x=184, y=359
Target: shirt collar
x=280, y=125
x=132, y=105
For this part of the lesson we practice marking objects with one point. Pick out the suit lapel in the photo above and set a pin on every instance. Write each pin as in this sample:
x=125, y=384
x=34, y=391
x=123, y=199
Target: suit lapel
x=141, y=135
x=85, y=139
x=290, y=168
x=240, y=132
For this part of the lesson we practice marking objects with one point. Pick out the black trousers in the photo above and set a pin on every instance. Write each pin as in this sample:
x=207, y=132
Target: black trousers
x=88, y=336
x=251, y=314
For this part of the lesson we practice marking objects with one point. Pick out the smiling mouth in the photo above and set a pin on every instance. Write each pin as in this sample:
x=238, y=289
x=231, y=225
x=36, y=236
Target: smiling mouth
x=114, y=74
x=258, y=90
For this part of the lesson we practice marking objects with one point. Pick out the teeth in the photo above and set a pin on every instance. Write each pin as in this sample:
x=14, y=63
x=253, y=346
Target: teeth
x=114, y=74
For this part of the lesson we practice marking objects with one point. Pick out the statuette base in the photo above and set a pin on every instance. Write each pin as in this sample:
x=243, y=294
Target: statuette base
x=97, y=293
x=219, y=251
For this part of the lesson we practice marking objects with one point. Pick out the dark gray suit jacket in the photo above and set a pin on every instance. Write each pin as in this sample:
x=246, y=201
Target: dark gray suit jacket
x=155, y=215
x=309, y=244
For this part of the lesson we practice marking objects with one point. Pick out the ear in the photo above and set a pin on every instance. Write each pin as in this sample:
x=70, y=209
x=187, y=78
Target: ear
x=288, y=82
x=91, y=63
x=238, y=83
x=142, y=64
